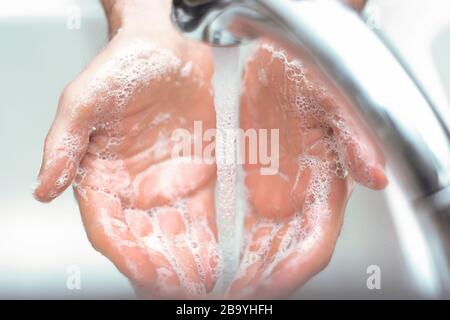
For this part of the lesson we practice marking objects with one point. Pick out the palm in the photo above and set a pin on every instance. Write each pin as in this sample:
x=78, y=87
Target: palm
x=291, y=236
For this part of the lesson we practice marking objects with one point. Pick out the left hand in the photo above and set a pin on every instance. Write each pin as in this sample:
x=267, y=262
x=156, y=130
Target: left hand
x=151, y=215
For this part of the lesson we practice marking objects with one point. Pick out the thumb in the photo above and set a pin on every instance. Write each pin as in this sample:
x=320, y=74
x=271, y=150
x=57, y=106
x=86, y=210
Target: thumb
x=65, y=146
x=363, y=157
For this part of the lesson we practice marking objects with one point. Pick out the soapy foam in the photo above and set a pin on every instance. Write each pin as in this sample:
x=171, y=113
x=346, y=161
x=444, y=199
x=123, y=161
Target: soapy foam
x=307, y=101
x=303, y=230
x=131, y=70
x=159, y=242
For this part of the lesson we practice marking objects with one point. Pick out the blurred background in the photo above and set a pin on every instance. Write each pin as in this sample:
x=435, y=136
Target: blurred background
x=42, y=48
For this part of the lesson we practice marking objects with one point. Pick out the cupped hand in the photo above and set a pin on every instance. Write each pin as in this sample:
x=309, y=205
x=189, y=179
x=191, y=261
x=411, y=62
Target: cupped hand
x=295, y=216
x=151, y=214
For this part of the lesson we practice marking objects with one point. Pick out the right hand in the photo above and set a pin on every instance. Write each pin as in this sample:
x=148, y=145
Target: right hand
x=291, y=236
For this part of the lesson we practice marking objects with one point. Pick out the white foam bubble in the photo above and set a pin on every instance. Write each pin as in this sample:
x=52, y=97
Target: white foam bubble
x=62, y=179
x=186, y=70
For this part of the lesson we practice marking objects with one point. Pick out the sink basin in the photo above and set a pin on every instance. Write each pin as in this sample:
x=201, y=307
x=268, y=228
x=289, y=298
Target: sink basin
x=40, y=244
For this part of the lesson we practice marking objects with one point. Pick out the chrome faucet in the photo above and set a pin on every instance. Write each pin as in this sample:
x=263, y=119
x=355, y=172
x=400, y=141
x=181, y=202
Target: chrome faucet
x=370, y=75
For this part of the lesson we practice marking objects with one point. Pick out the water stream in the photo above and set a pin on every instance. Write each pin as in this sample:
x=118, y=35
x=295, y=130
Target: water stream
x=226, y=98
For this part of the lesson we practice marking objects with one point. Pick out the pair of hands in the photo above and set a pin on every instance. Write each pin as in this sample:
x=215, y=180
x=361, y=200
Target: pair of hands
x=153, y=216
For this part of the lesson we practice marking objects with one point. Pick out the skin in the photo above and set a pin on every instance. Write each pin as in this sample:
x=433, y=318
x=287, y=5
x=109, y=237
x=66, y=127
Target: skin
x=152, y=215
x=123, y=154
x=301, y=224
x=321, y=148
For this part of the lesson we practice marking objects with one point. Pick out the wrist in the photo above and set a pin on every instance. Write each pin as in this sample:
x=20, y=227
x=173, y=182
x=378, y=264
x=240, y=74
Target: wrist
x=139, y=15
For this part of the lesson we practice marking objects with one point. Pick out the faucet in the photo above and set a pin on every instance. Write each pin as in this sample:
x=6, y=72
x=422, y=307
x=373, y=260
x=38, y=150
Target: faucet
x=367, y=71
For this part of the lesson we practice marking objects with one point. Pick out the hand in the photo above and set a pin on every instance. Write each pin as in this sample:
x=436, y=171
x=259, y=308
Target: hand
x=295, y=216
x=151, y=215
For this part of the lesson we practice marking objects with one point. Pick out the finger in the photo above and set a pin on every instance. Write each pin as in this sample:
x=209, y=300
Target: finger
x=108, y=233
x=65, y=146
x=144, y=229
x=68, y=138
x=315, y=248
x=167, y=237
x=174, y=229
x=357, y=150
x=302, y=249
x=201, y=209
x=254, y=257
x=178, y=246
x=362, y=156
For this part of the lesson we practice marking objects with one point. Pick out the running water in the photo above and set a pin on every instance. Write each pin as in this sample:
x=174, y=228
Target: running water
x=226, y=99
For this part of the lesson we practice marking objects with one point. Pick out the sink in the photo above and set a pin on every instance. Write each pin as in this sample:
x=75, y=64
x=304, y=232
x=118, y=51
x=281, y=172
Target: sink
x=41, y=244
